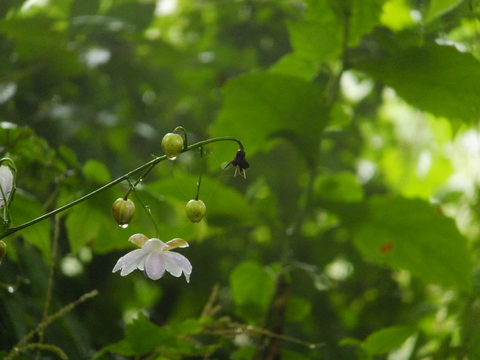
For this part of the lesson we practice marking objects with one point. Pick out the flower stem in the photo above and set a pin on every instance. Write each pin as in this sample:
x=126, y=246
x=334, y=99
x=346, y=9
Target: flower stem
x=199, y=182
x=147, y=167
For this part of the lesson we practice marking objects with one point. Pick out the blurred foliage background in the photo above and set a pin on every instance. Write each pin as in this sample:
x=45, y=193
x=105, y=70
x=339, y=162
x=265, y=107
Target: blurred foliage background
x=353, y=236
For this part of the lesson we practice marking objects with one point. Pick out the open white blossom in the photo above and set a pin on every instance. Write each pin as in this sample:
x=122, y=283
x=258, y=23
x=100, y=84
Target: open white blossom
x=6, y=184
x=154, y=258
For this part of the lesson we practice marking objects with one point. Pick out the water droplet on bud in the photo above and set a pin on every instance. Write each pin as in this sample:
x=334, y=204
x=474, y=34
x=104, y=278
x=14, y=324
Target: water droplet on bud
x=123, y=226
x=10, y=289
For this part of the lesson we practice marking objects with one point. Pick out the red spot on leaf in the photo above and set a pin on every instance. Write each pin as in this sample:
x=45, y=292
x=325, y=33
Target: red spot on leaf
x=386, y=247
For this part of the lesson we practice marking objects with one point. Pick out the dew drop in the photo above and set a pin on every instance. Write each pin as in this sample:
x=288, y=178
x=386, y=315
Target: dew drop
x=171, y=158
x=10, y=289
x=312, y=346
x=123, y=226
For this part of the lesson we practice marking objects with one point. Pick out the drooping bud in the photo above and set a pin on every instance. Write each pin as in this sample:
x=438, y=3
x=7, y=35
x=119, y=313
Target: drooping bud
x=138, y=239
x=122, y=211
x=172, y=145
x=195, y=210
x=3, y=250
x=6, y=182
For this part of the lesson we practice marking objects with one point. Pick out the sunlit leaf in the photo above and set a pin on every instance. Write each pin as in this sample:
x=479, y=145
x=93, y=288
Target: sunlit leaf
x=363, y=17
x=413, y=235
x=439, y=7
x=437, y=79
x=388, y=339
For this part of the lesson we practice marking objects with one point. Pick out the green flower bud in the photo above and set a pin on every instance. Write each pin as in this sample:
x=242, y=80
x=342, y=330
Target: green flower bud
x=122, y=211
x=172, y=145
x=3, y=250
x=195, y=210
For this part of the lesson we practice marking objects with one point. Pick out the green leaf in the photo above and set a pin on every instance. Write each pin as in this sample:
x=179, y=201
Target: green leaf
x=291, y=355
x=320, y=23
x=294, y=64
x=25, y=208
x=262, y=105
x=39, y=40
x=343, y=186
x=365, y=15
x=139, y=14
x=388, y=339
x=297, y=309
x=96, y=171
x=144, y=336
x=224, y=204
x=413, y=235
x=91, y=222
x=252, y=289
x=440, y=7
x=434, y=78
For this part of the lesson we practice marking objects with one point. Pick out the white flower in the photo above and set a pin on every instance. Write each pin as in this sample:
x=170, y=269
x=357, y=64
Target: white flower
x=154, y=258
x=6, y=184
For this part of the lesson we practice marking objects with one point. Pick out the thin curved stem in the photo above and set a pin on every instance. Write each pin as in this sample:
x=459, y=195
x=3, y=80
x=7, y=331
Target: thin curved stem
x=147, y=167
x=199, y=182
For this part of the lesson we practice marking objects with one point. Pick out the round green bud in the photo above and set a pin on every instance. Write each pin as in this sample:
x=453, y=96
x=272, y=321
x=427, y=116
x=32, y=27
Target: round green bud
x=195, y=210
x=122, y=211
x=172, y=145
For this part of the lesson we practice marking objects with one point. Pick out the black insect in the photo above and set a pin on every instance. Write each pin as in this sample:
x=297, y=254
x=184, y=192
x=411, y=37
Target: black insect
x=240, y=163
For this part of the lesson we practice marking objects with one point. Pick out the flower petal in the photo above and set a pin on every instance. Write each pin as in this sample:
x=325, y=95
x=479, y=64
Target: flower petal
x=155, y=265
x=181, y=262
x=6, y=184
x=130, y=262
x=138, y=239
x=172, y=244
x=154, y=246
x=171, y=266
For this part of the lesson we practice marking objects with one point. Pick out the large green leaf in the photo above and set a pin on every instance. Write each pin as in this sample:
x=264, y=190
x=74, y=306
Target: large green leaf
x=252, y=289
x=434, y=78
x=25, y=208
x=364, y=16
x=39, y=40
x=440, y=7
x=319, y=35
x=224, y=205
x=413, y=235
x=388, y=339
x=262, y=105
x=321, y=24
